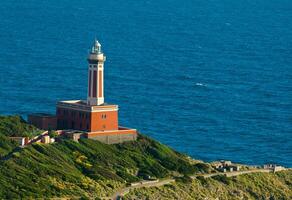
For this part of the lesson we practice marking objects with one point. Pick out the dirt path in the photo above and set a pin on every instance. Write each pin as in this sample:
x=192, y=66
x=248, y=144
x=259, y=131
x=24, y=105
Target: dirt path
x=235, y=173
x=124, y=191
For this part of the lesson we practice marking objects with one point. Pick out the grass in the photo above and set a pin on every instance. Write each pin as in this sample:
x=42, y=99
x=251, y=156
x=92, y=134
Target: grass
x=90, y=169
x=86, y=168
x=249, y=186
x=14, y=126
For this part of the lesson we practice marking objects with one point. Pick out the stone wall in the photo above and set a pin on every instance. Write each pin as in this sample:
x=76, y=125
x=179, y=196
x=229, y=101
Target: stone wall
x=114, y=138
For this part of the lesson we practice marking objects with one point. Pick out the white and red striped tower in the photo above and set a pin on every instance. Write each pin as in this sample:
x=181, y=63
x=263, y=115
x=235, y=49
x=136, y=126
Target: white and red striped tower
x=96, y=61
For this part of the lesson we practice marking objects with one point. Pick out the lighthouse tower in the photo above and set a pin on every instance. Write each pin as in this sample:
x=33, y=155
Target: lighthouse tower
x=96, y=119
x=96, y=61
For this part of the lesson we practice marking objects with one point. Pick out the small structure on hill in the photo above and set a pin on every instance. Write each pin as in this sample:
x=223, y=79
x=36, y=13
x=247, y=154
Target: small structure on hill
x=274, y=167
x=43, y=121
x=22, y=141
x=225, y=165
x=46, y=139
x=74, y=135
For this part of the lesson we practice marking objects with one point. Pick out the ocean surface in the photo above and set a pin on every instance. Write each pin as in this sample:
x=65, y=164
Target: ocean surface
x=212, y=79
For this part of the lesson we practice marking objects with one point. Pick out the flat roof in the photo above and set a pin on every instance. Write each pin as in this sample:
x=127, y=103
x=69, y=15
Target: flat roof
x=42, y=115
x=82, y=105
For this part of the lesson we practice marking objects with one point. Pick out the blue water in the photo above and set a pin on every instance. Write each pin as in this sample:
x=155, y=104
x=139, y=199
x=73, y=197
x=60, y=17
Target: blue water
x=209, y=78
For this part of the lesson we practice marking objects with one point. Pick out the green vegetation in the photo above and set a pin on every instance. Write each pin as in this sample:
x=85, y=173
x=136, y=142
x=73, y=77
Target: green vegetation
x=15, y=126
x=249, y=186
x=184, y=179
x=52, y=133
x=90, y=169
x=6, y=145
x=85, y=169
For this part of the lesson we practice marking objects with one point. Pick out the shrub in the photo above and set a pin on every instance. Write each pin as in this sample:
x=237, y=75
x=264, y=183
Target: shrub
x=222, y=178
x=202, y=167
x=53, y=134
x=127, y=177
x=202, y=180
x=16, y=126
x=184, y=179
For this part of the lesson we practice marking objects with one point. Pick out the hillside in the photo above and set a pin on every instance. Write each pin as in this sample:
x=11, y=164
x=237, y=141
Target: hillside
x=90, y=169
x=256, y=186
x=13, y=126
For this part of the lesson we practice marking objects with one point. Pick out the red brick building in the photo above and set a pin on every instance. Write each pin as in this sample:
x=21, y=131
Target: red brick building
x=43, y=121
x=98, y=119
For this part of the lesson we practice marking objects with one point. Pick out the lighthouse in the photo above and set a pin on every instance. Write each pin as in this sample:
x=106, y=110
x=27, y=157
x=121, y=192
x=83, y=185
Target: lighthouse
x=96, y=61
x=93, y=117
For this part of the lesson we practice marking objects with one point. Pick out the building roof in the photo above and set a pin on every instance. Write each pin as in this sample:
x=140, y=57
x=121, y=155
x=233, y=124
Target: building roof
x=82, y=105
x=42, y=115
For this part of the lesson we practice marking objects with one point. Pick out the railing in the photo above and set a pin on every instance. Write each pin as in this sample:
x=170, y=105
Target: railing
x=77, y=105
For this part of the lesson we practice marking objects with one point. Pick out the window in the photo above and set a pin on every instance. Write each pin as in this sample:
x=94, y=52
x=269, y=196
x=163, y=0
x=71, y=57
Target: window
x=103, y=116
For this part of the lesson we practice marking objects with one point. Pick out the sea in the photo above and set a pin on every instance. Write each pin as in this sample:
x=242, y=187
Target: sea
x=210, y=78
